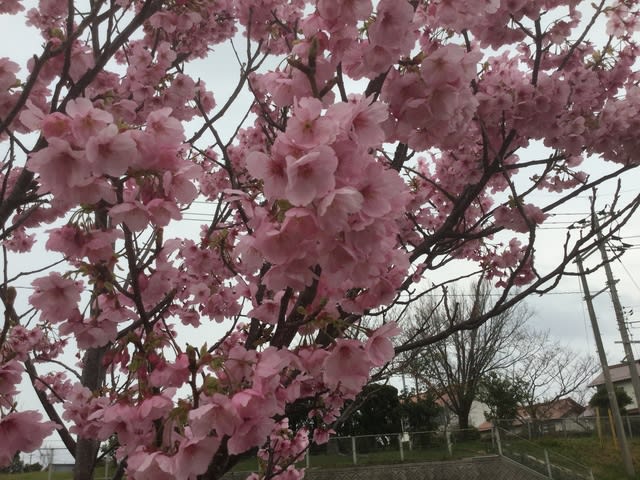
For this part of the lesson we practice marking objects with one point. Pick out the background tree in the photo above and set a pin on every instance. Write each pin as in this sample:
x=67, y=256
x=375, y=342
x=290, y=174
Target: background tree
x=388, y=141
x=420, y=413
x=455, y=367
x=600, y=400
x=503, y=396
x=551, y=371
x=16, y=465
x=378, y=411
x=546, y=370
x=33, y=467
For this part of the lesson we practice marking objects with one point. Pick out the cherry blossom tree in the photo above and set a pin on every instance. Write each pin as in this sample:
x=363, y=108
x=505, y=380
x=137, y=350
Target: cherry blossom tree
x=383, y=141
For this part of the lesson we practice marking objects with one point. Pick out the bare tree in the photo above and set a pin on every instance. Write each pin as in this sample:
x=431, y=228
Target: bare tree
x=546, y=369
x=454, y=367
x=550, y=372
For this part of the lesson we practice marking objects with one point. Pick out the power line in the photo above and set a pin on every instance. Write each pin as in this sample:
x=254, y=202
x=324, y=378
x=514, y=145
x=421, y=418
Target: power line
x=28, y=287
x=629, y=274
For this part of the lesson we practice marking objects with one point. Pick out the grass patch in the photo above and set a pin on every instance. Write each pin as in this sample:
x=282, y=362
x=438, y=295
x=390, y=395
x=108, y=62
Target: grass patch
x=603, y=458
x=36, y=476
x=44, y=475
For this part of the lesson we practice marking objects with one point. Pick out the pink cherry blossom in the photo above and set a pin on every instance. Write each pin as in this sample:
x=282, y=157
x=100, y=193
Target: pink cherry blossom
x=336, y=207
x=89, y=332
x=307, y=128
x=270, y=169
x=96, y=245
x=361, y=119
x=10, y=375
x=310, y=176
x=194, y=455
x=252, y=432
x=11, y=6
x=19, y=241
x=345, y=368
x=56, y=297
x=22, y=341
x=171, y=374
x=513, y=219
x=56, y=385
x=144, y=465
x=22, y=432
x=59, y=166
x=8, y=69
x=379, y=347
x=86, y=120
x=219, y=415
x=110, y=152
x=321, y=435
x=161, y=125
x=133, y=214
x=346, y=12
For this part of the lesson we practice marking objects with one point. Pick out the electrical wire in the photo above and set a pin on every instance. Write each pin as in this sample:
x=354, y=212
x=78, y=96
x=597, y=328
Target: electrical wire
x=629, y=274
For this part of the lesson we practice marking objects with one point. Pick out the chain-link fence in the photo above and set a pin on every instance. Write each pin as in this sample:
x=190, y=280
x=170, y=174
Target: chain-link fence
x=58, y=463
x=512, y=442
x=454, y=454
x=571, y=427
x=538, y=458
x=399, y=447
x=434, y=446
x=54, y=460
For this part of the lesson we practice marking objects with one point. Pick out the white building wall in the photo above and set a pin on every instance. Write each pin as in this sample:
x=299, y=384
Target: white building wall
x=628, y=388
x=476, y=415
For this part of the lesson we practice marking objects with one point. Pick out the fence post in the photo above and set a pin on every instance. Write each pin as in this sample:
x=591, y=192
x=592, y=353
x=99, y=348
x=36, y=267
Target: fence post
x=307, y=460
x=401, y=448
x=447, y=436
x=497, y=430
x=546, y=459
x=354, y=455
x=629, y=426
x=50, y=469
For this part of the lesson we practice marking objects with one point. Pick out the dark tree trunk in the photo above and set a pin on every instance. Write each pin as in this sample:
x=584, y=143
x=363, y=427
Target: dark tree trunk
x=463, y=414
x=463, y=421
x=87, y=449
x=221, y=463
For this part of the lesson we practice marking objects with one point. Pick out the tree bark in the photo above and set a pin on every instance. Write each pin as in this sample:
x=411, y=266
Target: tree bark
x=93, y=374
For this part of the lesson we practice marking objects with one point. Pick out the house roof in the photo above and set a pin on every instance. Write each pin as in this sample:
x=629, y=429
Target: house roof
x=561, y=408
x=619, y=373
x=556, y=410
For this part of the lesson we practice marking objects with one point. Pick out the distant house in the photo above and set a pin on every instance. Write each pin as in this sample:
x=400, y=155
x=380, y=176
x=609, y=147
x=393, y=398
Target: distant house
x=61, y=467
x=557, y=410
x=561, y=415
x=476, y=414
x=621, y=377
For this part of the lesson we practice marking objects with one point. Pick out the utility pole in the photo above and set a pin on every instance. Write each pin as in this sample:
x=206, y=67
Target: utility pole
x=617, y=307
x=613, y=401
